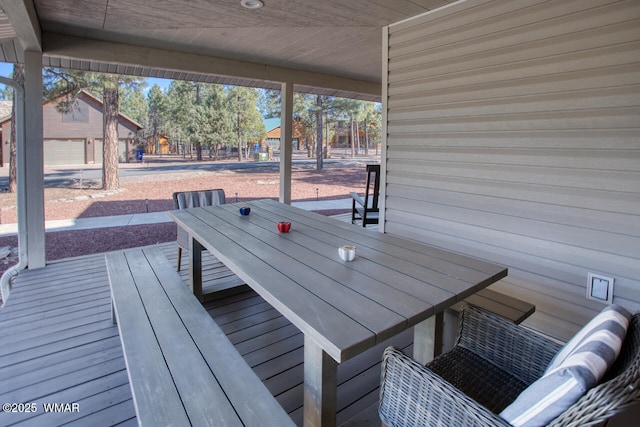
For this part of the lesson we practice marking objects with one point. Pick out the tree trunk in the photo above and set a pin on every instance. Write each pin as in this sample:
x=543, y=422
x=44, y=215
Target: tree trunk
x=110, y=180
x=319, y=136
x=18, y=76
x=366, y=140
x=353, y=142
x=357, y=136
x=198, y=143
x=239, y=131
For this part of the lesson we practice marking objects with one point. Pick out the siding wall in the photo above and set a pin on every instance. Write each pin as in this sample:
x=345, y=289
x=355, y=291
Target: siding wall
x=513, y=135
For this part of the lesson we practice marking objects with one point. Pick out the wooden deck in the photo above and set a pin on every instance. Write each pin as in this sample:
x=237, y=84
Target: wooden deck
x=58, y=345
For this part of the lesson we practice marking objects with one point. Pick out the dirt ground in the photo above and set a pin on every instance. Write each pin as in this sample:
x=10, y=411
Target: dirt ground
x=152, y=193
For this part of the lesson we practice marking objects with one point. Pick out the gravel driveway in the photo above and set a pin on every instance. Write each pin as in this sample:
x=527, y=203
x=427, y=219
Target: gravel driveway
x=152, y=193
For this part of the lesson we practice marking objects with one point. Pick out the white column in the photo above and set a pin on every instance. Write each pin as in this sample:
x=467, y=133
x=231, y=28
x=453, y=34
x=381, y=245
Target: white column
x=35, y=159
x=286, y=142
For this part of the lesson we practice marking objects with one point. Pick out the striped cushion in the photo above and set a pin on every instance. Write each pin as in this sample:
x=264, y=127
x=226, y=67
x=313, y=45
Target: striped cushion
x=576, y=368
x=196, y=199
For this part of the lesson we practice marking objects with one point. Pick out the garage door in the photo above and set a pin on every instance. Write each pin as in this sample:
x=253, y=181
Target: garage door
x=64, y=152
x=122, y=151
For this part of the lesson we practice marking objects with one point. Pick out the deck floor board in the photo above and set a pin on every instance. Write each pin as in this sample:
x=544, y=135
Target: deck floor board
x=59, y=345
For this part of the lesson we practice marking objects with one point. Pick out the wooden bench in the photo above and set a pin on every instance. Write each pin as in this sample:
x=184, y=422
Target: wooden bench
x=366, y=209
x=503, y=305
x=182, y=368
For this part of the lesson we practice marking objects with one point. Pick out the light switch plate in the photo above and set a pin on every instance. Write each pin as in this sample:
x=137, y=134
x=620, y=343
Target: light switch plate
x=600, y=288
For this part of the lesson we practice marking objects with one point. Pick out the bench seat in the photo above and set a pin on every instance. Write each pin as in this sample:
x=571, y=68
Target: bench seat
x=360, y=213
x=505, y=306
x=182, y=368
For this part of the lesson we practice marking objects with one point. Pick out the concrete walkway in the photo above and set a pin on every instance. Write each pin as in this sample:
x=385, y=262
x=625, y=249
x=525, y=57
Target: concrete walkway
x=150, y=218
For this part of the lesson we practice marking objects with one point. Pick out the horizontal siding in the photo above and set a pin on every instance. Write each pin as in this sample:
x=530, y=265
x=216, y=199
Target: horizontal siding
x=55, y=127
x=513, y=135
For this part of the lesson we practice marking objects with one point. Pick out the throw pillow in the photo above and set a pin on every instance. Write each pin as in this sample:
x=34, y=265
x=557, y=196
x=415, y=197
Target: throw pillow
x=576, y=368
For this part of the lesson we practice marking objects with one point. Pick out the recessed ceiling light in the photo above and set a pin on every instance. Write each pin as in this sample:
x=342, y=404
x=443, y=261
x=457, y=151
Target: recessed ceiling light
x=252, y=4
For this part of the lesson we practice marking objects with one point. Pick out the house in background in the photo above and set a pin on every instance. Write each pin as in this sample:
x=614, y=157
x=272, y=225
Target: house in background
x=76, y=137
x=342, y=134
x=158, y=144
x=273, y=134
x=5, y=110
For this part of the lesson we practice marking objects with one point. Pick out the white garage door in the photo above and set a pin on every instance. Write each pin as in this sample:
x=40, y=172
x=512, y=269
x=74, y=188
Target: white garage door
x=122, y=151
x=64, y=152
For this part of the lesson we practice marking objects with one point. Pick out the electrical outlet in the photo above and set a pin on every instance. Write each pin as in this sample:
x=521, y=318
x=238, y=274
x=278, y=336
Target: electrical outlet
x=600, y=288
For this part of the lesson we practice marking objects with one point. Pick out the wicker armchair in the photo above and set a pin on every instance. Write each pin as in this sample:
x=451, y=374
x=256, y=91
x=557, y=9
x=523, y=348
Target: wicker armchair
x=194, y=199
x=492, y=362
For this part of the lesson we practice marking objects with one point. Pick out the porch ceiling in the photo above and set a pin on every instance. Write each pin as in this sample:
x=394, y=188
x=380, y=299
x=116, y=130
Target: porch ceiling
x=333, y=38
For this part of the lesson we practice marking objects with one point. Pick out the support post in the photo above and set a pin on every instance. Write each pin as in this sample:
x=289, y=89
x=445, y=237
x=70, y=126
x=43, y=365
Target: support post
x=320, y=386
x=286, y=142
x=114, y=316
x=427, y=339
x=195, y=268
x=382, y=199
x=35, y=160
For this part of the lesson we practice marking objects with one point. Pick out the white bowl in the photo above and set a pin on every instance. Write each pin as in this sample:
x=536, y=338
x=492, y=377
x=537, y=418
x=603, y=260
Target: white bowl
x=347, y=252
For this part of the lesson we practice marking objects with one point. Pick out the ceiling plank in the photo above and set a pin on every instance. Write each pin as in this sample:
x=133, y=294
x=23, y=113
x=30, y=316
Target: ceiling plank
x=23, y=18
x=63, y=46
x=320, y=37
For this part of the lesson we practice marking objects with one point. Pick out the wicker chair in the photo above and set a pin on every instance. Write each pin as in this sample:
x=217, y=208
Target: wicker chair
x=492, y=362
x=194, y=199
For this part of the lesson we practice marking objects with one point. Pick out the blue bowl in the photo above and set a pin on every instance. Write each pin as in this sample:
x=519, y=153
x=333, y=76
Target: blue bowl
x=245, y=210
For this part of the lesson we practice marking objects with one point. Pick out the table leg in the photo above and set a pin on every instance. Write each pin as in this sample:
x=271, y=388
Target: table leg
x=195, y=268
x=114, y=318
x=320, y=386
x=427, y=339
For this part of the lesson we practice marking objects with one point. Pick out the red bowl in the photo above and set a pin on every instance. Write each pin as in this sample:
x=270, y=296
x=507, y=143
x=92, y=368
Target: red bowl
x=284, y=227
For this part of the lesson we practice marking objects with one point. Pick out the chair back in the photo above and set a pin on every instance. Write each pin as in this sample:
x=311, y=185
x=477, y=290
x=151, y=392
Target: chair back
x=618, y=390
x=372, y=170
x=196, y=199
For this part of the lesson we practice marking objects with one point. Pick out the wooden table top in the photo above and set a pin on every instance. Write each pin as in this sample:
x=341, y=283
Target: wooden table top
x=345, y=307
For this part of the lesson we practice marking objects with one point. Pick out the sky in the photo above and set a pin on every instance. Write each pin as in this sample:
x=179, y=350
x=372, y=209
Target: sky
x=5, y=69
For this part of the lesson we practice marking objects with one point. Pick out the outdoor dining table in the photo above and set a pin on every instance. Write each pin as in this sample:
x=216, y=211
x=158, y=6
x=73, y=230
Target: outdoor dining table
x=343, y=308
